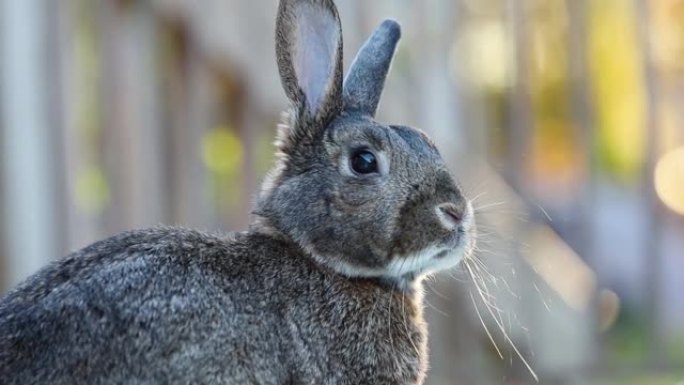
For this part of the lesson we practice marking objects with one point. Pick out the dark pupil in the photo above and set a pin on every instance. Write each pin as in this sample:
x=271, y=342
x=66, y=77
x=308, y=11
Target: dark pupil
x=364, y=162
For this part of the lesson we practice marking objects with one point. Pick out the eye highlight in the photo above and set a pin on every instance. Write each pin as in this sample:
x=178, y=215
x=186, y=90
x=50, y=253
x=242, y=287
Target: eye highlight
x=363, y=162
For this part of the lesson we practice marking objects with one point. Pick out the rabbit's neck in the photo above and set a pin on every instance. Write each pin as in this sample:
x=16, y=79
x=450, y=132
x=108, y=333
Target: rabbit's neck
x=408, y=283
x=262, y=225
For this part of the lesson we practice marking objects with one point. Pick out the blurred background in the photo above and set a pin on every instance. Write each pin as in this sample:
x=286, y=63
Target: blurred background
x=563, y=119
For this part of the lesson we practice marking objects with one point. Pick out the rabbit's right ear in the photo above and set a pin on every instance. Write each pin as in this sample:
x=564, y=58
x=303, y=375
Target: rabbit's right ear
x=309, y=54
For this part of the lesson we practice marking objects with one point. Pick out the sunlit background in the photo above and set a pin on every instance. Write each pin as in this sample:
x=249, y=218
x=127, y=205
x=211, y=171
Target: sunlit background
x=563, y=119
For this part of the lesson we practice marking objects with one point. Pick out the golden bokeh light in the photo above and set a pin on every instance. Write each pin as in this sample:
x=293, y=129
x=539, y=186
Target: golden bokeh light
x=222, y=151
x=669, y=180
x=479, y=56
x=91, y=190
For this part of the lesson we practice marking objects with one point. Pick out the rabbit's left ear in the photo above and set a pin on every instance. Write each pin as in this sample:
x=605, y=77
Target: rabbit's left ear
x=309, y=53
x=366, y=78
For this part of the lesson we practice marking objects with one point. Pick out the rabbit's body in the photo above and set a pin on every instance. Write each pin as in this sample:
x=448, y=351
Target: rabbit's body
x=323, y=289
x=178, y=306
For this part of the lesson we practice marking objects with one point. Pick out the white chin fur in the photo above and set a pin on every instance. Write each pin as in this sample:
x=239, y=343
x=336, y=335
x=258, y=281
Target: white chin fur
x=424, y=262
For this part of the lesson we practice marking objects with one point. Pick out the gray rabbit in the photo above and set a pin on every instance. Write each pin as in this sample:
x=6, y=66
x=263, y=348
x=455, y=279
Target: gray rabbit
x=324, y=287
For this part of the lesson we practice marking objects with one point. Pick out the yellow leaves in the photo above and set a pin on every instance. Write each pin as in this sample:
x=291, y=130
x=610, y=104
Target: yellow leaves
x=618, y=85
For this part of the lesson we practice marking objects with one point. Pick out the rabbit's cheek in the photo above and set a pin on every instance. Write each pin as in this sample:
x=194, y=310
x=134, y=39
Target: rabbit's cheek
x=356, y=197
x=345, y=202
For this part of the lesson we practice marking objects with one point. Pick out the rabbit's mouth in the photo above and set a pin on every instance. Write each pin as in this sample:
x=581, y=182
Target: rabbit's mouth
x=447, y=253
x=432, y=259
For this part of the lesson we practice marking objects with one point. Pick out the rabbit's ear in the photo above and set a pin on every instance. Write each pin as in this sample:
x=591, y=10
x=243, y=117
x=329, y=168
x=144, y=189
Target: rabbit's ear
x=366, y=78
x=309, y=53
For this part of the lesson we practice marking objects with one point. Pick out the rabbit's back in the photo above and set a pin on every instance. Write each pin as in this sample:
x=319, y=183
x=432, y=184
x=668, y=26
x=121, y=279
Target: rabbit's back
x=178, y=306
x=163, y=305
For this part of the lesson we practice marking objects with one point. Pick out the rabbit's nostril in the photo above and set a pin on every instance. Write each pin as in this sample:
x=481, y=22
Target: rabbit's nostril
x=450, y=214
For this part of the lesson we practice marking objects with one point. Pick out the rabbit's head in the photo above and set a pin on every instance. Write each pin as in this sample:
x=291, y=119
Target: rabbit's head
x=364, y=198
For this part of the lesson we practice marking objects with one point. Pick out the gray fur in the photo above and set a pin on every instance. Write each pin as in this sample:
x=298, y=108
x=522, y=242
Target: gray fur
x=177, y=306
x=366, y=78
x=324, y=288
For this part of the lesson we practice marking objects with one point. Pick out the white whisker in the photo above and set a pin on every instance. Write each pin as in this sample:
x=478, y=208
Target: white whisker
x=484, y=326
x=508, y=338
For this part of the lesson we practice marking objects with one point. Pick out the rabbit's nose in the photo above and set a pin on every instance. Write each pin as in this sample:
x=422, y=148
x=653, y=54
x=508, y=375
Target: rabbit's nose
x=450, y=215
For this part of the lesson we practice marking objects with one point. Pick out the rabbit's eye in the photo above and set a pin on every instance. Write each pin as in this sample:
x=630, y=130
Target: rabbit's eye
x=364, y=162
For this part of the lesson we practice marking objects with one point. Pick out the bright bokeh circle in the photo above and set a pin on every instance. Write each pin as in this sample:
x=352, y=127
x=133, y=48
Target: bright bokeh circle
x=669, y=180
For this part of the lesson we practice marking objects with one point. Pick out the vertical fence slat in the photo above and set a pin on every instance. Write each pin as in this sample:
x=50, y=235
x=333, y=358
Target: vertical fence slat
x=133, y=138
x=437, y=95
x=27, y=153
x=582, y=117
x=520, y=105
x=653, y=226
x=55, y=45
x=4, y=251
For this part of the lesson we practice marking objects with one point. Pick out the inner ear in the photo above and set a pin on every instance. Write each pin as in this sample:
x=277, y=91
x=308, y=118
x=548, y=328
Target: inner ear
x=317, y=39
x=309, y=53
